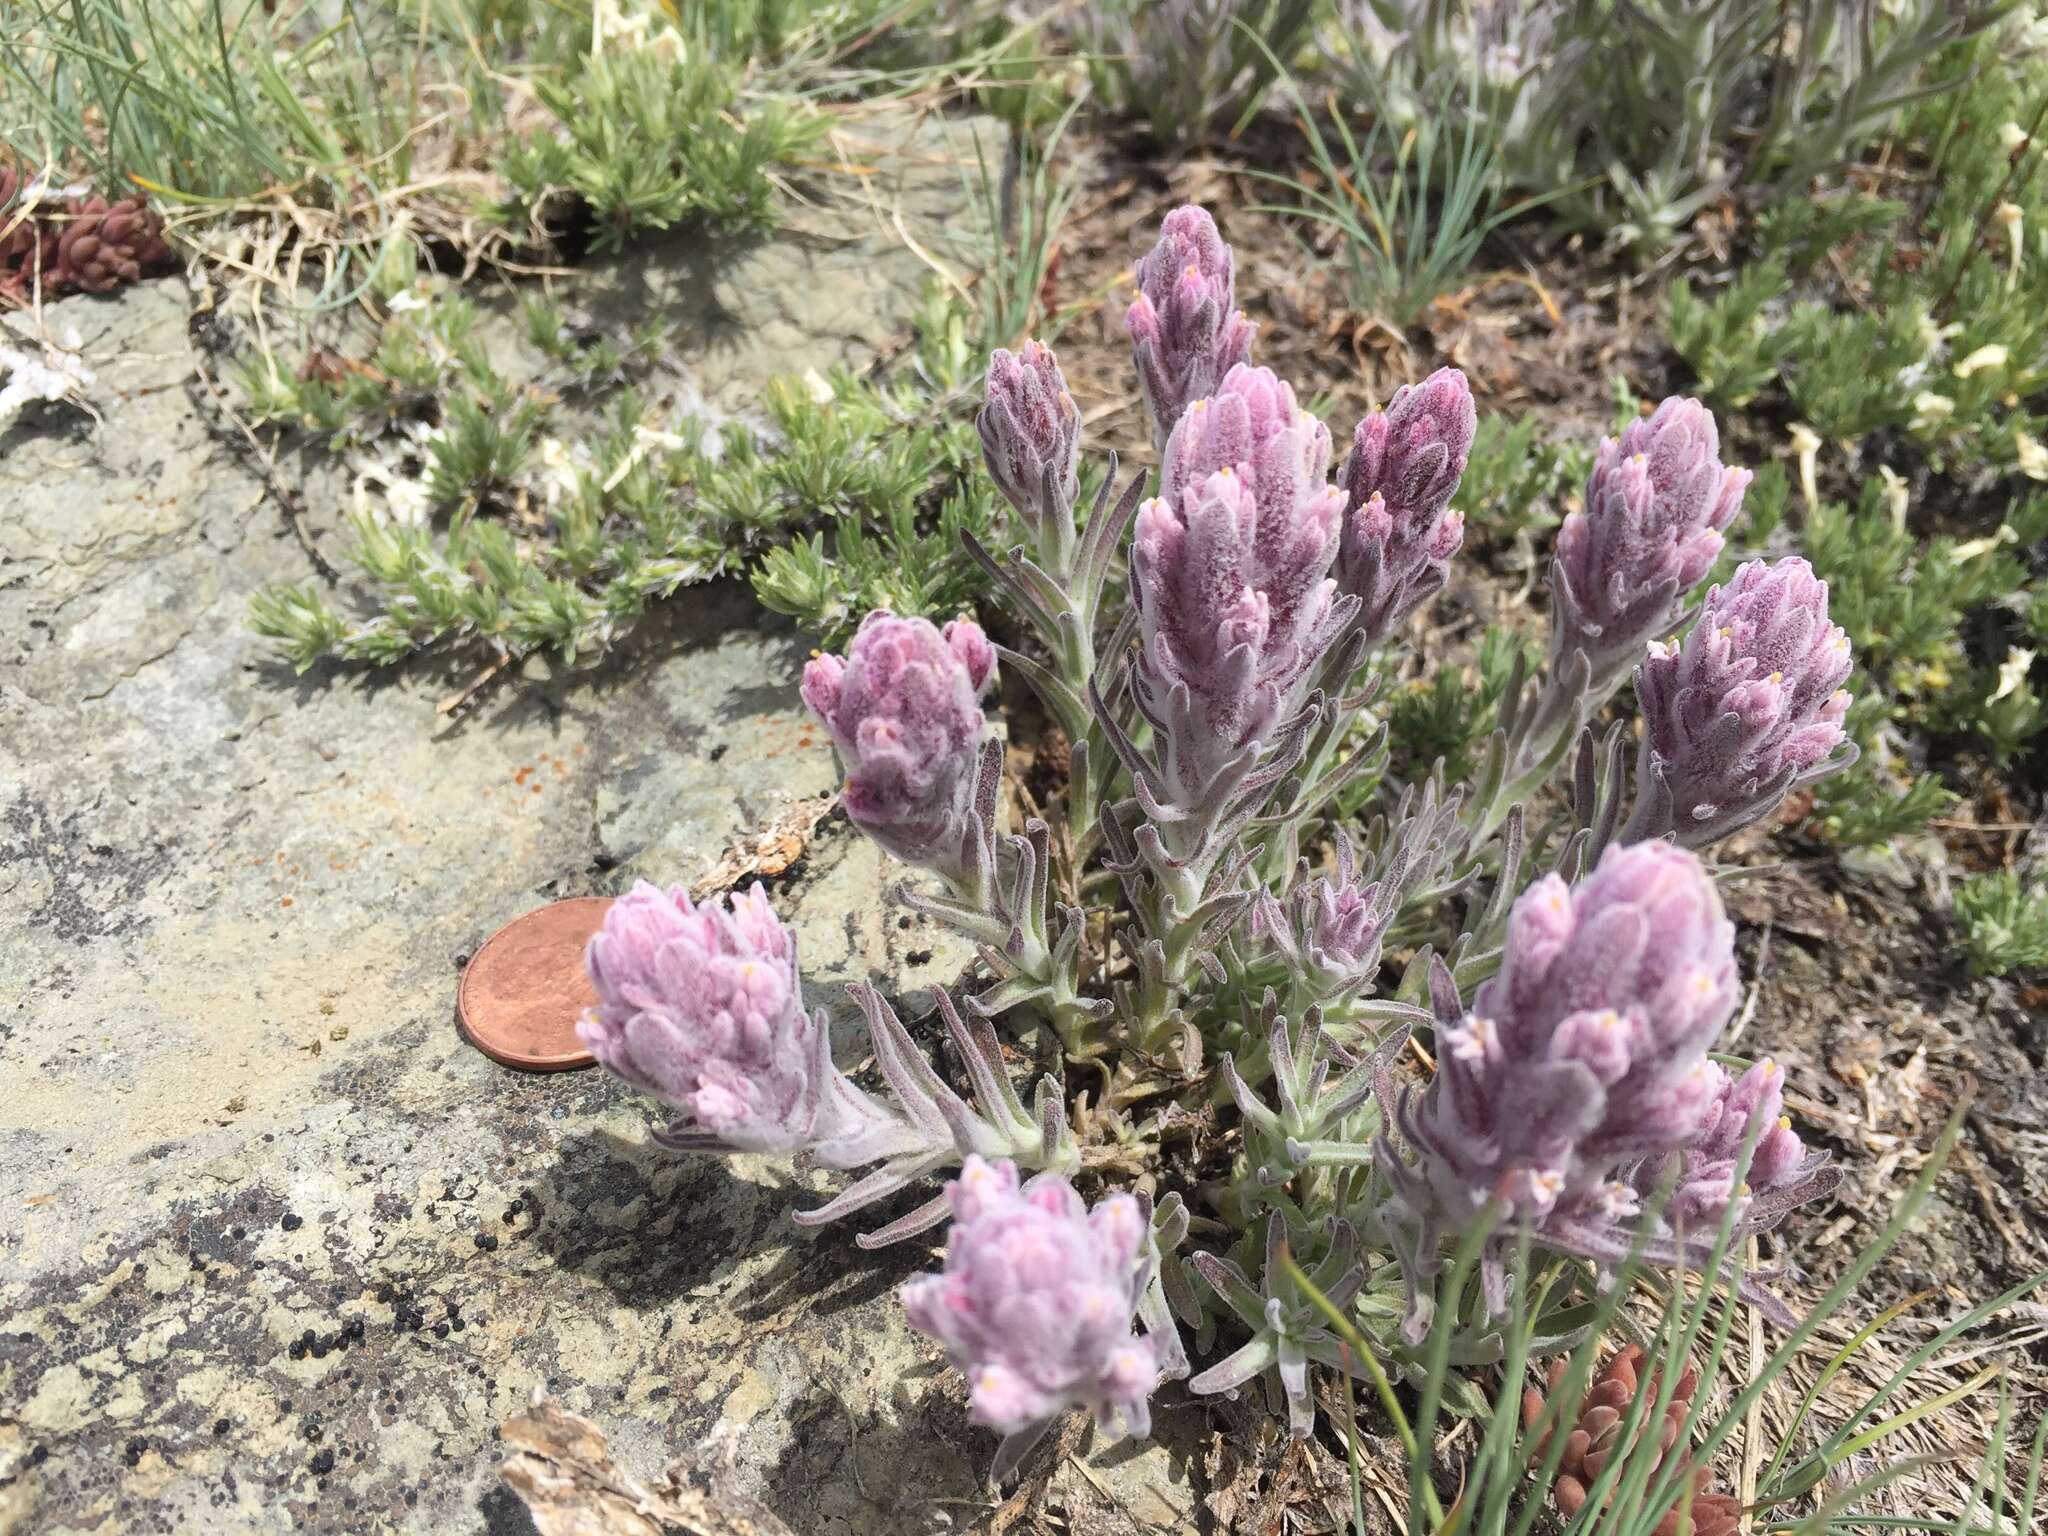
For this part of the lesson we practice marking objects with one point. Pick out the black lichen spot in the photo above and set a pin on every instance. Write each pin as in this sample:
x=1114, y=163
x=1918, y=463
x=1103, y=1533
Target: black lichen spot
x=93, y=890
x=292, y=1221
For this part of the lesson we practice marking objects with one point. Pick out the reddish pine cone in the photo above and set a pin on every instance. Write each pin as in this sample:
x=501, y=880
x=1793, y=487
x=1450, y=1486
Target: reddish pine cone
x=104, y=245
x=1597, y=1436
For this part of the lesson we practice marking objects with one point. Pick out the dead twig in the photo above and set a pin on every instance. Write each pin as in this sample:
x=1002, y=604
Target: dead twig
x=286, y=499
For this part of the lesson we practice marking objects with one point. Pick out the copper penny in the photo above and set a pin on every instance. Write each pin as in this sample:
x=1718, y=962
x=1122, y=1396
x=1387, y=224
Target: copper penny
x=525, y=989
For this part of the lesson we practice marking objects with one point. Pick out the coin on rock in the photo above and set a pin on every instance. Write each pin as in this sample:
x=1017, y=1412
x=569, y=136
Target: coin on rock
x=525, y=989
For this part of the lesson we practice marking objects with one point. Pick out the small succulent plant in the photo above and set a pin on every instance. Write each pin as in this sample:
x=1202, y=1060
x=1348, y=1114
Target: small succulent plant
x=1191, y=896
x=68, y=244
x=1599, y=1434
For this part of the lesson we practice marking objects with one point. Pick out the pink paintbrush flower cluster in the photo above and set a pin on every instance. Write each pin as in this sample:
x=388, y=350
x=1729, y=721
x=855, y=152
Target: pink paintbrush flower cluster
x=1185, y=325
x=1230, y=575
x=1656, y=504
x=1213, y=746
x=1400, y=533
x=1748, y=706
x=1031, y=437
x=1581, y=1069
x=1037, y=1304
x=903, y=706
x=1588, y=1048
x=701, y=1006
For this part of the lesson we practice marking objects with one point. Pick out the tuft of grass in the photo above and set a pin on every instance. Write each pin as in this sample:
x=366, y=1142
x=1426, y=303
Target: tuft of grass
x=1026, y=205
x=213, y=100
x=1409, y=209
x=1409, y=214
x=1816, y=1478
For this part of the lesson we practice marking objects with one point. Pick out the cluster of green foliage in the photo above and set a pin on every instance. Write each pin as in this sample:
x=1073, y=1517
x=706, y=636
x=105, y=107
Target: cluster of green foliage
x=892, y=484
x=1914, y=607
x=645, y=140
x=1915, y=333
x=1926, y=322
x=518, y=545
x=1519, y=478
x=1633, y=118
x=2005, y=922
x=1447, y=717
x=366, y=122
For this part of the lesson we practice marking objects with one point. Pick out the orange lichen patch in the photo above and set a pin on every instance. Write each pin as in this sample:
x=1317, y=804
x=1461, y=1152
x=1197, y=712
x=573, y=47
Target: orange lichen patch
x=284, y=901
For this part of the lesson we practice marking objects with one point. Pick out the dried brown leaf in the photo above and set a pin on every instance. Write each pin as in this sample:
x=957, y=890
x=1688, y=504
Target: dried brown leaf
x=561, y=1466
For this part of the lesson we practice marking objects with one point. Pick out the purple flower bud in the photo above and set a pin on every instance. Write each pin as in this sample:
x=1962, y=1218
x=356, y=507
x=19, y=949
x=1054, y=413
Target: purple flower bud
x=1399, y=531
x=1750, y=705
x=1588, y=1047
x=1348, y=927
x=1331, y=930
x=1037, y=1301
x=902, y=707
x=1779, y=1160
x=1031, y=435
x=701, y=1006
x=1252, y=424
x=1234, y=609
x=1184, y=325
x=1650, y=530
